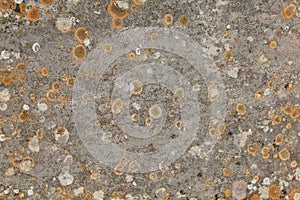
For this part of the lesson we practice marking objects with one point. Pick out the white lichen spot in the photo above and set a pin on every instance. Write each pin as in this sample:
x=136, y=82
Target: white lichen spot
x=42, y=106
x=99, y=195
x=195, y=151
x=34, y=144
x=78, y=191
x=4, y=95
x=36, y=47
x=5, y=54
x=3, y=106
x=65, y=178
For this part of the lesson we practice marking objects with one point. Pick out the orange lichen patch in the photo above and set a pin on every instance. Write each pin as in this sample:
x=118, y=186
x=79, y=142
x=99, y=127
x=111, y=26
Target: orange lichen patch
x=276, y=119
x=293, y=194
x=288, y=126
x=252, y=149
x=168, y=19
x=270, y=84
x=227, y=193
x=117, y=23
x=294, y=164
x=279, y=139
x=139, y=2
x=183, y=20
x=259, y=94
x=79, y=52
x=50, y=96
x=117, y=194
x=284, y=154
x=241, y=109
x=20, y=67
x=265, y=151
x=226, y=172
x=81, y=33
x=131, y=56
x=22, y=7
x=274, y=192
x=4, y=4
x=115, y=12
x=254, y=197
x=117, y=106
x=13, y=5
x=273, y=44
x=47, y=2
x=289, y=11
x=287, y=109
x=228, y=55
x=24, y=116
x=55, y=86
x=33, y=14
x=42, y=72
x=21, y=78
x=94, y=176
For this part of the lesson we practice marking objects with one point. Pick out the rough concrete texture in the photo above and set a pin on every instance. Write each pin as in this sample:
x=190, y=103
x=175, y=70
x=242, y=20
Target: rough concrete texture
x=149, y=99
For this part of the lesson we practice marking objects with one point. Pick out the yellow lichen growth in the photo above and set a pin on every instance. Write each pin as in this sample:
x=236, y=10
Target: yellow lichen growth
x=131, y=55
x=289, y=11
x=284, y=154
x=50, y=96
x=227, y=193
x=152, y=176
x=270, y=84
x=259, y=94
x=221, y=128
x=265, y=152
x=241, y=109
x=47, y=2
x=55, y=86
x=178, y=124
x=148, y=121
x=228, y=55
x=33, y=14
x=79, y=52
x=226, y=172
x=24, y=116
x=81, y=34
x=273, y=44
x=274, y=192
x=252, y=149
x=183, y=20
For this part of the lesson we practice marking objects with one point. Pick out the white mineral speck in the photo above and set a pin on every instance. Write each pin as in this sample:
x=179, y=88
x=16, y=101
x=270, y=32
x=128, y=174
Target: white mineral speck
x=25, y=107
x=36, y=47
x=266, y=181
